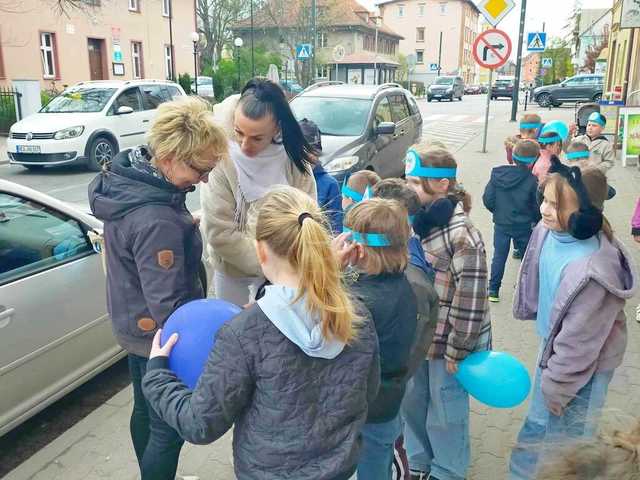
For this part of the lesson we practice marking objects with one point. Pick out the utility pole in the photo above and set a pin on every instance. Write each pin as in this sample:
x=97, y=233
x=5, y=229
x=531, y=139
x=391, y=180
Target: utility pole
x=516, y=87
x=253, y=63
x=313, y=41
x=173, y=60
x=375, y=56
x=440, y=55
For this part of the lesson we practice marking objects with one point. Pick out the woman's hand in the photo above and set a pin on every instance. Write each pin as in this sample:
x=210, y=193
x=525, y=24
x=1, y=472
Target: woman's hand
x=165, y=350
x=347, y=252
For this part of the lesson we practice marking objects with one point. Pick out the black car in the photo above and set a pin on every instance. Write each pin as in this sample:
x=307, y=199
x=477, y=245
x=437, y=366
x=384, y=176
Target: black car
x=502, y=88
x=581, y=88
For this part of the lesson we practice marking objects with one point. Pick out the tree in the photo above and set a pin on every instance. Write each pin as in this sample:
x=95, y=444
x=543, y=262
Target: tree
x=403, y=69
x=593, y=53
x=560, y=55
x=216, y=18
x=60, y=7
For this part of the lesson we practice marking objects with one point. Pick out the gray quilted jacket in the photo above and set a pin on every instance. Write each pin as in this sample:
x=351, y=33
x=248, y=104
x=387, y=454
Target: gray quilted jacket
x=296, y=416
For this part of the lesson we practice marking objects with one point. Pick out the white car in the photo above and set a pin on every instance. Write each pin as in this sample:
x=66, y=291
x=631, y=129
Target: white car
x=89, y=123
x=205, y=87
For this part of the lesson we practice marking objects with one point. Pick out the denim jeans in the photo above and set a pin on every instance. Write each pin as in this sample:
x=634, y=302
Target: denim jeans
x=376, y=456
x=157, y=445
x=435, y=411
x=544, y=431
x=502, y=238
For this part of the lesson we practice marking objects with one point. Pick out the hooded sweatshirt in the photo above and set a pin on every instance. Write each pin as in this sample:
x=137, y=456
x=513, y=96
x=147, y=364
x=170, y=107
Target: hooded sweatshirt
x=511, y=196
x=329, y=197
x=153, y=248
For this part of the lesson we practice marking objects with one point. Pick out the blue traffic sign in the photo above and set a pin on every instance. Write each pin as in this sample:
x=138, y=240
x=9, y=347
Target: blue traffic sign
x=304, y=51
x=536, y=41
x=433, y=67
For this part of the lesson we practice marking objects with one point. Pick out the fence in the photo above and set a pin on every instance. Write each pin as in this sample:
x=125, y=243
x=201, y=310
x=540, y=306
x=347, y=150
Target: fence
x=9, y=101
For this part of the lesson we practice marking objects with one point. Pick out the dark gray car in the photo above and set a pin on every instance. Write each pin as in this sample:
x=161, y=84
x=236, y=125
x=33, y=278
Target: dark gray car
x=363, y=126
x=581, y=88
x=446, y=87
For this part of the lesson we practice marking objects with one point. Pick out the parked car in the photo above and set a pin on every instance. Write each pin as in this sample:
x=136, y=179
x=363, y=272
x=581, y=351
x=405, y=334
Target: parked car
x=503, y=87
x=89, y=123
x=581, y=88
x=446, y=87
x=472, y=90
x=205, y=87
x=362, y=126
x=291, y=88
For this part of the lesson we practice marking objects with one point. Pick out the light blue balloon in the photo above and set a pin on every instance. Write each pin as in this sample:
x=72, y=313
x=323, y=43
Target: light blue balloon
x=558, y=127
x=496, y=379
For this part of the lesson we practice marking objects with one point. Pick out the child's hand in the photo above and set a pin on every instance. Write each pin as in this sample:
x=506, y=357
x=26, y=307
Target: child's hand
x=636, y=238
x=452, y=367
x=347, y=252
x=554, y=407
x=572, y=129
x=165, y=350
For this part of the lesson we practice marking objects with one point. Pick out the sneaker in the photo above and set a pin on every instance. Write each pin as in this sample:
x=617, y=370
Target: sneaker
x=517, y=254
x=494, y=297
x=638, y=313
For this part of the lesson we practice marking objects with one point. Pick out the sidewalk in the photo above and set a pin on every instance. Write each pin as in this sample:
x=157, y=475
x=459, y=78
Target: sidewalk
x=99, y=446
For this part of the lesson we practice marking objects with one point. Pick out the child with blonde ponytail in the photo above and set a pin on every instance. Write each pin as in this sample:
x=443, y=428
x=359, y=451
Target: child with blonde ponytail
x=294, y=372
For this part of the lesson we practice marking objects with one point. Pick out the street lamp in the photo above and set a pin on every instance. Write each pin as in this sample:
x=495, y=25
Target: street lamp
x=238, y=43
x=195, y=38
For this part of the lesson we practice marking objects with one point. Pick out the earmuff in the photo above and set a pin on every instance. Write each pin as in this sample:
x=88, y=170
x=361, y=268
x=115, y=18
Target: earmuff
x=587, y=221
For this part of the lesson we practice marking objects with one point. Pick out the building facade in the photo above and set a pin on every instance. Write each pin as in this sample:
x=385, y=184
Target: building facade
x=530, y=69
x=440, y=33
x=106, y=39
x=592, y=30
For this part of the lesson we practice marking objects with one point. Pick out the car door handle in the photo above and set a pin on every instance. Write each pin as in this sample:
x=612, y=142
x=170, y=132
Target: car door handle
x=145, y=121
x=5, y=315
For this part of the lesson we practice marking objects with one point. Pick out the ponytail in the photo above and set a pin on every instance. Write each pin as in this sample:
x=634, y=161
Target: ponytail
x=295, y=229
x=261, y=97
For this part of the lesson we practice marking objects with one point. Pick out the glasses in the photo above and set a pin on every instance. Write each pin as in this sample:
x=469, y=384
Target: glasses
x=202, y=173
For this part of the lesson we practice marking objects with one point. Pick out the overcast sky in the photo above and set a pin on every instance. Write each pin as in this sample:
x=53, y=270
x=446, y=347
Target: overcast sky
x=554, y=12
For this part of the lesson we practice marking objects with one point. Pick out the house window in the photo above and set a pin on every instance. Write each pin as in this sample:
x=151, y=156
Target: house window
x=421, y=7
x=92, y=3
x=419, y=56
x=401, y=11
x=166, y=8
x=420, y=34
x=323, y=40
x=47, y=48
x=168, y=62
x=136, y=59
x=134, y=5
x=443, y=8
x=323, y=71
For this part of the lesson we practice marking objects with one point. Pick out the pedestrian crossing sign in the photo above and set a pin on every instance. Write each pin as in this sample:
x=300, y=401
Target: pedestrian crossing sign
x=303, y=51
x=536, y=41
x=547, y=62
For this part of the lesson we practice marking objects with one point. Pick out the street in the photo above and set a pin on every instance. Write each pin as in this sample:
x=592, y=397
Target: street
x=51, y=447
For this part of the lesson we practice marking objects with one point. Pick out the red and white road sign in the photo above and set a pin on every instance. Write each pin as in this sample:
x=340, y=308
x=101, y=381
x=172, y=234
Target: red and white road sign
x=492, y=48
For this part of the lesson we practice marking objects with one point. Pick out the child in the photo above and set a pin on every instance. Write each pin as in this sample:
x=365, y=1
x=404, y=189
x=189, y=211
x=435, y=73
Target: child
x=602, y=153
x=436, y=407
x=578, y=155
x=355, y=187
x=511, y=195
x=294, y=372
x=329, y=197
x=530, y=125
x=574, y=281
x=611, y=455
x=380, y=230
x=552, y=136
x=635, y=232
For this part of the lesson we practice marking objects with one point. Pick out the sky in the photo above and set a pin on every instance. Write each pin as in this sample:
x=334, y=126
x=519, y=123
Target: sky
x=554, y=12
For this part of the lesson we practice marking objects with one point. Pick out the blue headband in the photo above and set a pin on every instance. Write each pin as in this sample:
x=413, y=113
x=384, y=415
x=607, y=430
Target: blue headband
x=545, y=140
x=356, y=196
x=524, y=159
x=530, y=125
x=414, y=168
x=577, y=155
x=368, y=239
x=598, y=118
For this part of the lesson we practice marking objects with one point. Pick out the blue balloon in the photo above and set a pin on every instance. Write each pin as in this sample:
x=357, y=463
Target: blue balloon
x=196, y=324
x=496, y=379
x=558, y=127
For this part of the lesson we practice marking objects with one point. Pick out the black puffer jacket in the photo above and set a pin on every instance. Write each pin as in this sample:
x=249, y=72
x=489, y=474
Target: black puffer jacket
x=296, y=417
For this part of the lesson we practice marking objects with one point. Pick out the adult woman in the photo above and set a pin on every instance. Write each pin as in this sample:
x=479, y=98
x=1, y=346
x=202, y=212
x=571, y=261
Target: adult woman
x=266, y=148
x=153, y=250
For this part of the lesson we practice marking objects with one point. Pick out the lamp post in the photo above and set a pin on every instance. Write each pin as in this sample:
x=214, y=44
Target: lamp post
x=238, y=43
x=195, y=38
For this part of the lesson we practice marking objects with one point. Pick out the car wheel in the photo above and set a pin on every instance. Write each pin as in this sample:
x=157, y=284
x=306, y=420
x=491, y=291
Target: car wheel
x=33, y=168
x=101, y=153
x=544, y=100
x=597, y=97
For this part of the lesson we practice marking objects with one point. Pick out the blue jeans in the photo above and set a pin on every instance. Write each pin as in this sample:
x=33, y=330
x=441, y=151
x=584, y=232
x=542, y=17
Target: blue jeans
x=376, y=456
x=157, y=445
x=435, y=411
x=542, y=429
x=502, y=238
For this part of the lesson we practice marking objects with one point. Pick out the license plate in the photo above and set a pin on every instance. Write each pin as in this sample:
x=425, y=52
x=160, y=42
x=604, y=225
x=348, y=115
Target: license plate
x=437, y=95
x=28, y=148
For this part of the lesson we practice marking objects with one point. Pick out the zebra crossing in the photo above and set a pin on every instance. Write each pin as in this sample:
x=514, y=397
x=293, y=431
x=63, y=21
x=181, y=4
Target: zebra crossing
x=455, y=131
x=441, y=117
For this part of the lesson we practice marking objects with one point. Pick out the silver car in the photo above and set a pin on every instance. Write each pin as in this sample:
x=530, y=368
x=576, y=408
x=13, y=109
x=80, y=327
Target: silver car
x=55, y=333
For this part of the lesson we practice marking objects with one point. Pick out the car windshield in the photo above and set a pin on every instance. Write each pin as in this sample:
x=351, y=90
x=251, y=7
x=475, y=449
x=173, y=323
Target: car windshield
x=503, y=83
x=444, y=81
x=334, y=116
x=79, y=100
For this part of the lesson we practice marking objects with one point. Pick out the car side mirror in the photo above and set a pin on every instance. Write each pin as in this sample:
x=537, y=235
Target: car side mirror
x=385, y=128
x=124, y=110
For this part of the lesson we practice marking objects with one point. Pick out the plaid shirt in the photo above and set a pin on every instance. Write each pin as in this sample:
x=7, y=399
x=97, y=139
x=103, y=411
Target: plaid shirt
x=458, y=256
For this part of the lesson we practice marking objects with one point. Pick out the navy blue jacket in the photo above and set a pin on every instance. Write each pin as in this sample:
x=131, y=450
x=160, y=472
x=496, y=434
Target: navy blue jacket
x=511, y=195
x=329, y=197
x=153, y=251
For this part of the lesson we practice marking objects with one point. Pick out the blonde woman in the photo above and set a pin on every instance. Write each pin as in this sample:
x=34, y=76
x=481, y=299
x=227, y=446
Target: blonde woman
x=294, y=372
x=153, y=250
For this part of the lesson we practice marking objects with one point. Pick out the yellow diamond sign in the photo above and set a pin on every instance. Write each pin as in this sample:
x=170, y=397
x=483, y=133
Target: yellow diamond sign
x=495, y=10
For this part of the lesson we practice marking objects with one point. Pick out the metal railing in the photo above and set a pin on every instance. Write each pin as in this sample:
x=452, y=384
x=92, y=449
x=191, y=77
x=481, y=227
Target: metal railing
x=10, y=109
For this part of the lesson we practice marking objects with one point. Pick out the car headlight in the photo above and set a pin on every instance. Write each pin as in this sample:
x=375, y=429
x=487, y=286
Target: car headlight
x=340, y=164
x=449, y=89
x=71, y=132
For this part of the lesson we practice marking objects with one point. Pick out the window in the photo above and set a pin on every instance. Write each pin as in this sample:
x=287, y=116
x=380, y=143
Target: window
x=421, y=7
x=173, y=92
x=399, y=107
x=129, y=98
x=92, y=3
x=168, y=62
x=136, y=59
x=134, y=5
x=419, y=56
x=443, y=8
x=166, y=8
x=420, y=34
x=323, y=71
x=34, y=238
x=153, y=96
x=323, y=40
x=47, y=48
x=400, y=11
x=383, y=112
